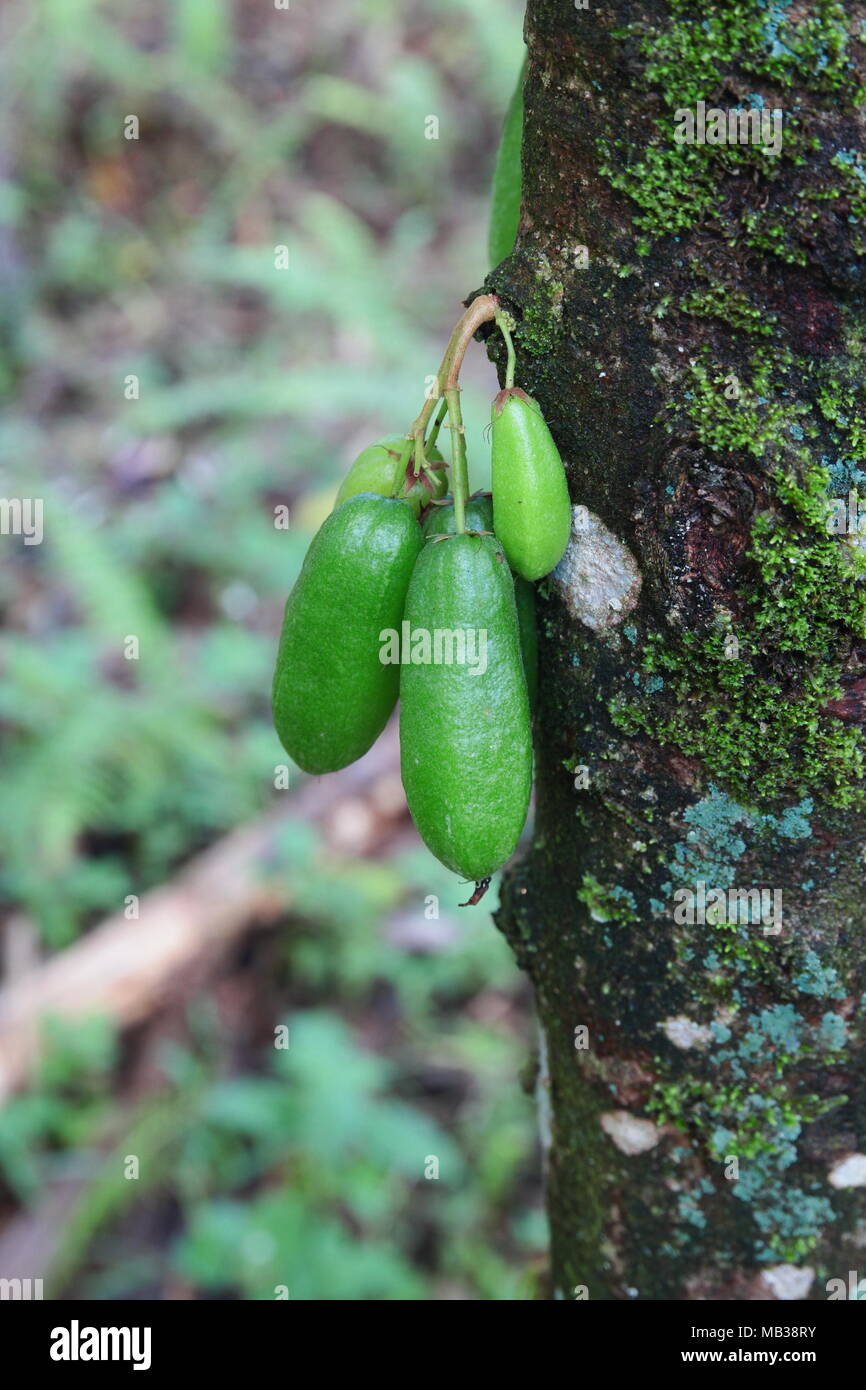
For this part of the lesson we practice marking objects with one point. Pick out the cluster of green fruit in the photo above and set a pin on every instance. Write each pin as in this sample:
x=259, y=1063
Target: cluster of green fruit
x=396, y=554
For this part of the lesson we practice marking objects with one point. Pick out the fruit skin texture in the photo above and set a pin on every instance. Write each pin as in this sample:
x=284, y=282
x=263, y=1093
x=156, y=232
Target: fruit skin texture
x=530, y=491
x=377, y=469
x=479, y=517
x=332, y=696
x=465, y=741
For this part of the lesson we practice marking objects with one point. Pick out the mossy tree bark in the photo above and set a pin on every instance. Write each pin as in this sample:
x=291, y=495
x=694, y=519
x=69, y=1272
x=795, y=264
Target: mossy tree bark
x=703, y=647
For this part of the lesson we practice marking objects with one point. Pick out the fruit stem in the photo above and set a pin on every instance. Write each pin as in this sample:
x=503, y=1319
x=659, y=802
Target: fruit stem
x=437, y=424
x=409, y=454
x=481, y=310
x=505, y=323
x=419, y=455
x=459, y=466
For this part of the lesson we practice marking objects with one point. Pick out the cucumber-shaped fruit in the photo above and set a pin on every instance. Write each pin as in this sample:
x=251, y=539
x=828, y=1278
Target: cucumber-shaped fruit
x=479, y=517
x=530, y=492
x=378, y=469
x=507, y=179
x=332, y=695
x=465, y=742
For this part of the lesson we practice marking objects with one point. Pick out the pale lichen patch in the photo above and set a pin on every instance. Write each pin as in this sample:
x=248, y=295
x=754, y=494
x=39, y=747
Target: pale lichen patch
x=631, y=1134
x=786, y=1282
x=684, y=1033
x=597, y=576
x=542, y=1095
x=849, y=1171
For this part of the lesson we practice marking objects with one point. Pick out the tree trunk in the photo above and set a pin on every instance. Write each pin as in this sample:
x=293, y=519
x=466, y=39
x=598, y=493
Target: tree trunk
x=690, y=909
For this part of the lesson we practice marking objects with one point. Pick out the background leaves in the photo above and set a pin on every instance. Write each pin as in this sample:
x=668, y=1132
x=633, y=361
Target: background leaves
x=155, y=259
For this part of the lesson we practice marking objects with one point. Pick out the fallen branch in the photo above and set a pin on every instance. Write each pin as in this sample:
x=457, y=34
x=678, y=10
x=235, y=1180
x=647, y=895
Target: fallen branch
x=124, y=969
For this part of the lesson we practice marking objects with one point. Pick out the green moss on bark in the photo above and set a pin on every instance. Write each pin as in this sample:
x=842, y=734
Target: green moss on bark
x=676, y=186
x=751, y=699
x=708, y=399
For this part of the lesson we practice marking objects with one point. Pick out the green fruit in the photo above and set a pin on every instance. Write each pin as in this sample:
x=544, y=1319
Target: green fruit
x=332, y=695
x=479, y=517
x=507, y=179
x=530, y=492
x=381, y=468
x=376, y=469
x=465, y=742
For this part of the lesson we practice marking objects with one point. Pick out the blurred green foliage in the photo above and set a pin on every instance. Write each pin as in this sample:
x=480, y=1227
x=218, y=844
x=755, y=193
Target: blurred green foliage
x=155, y=259
x=311, y=1169
x=164, y=387
x=66, y=1104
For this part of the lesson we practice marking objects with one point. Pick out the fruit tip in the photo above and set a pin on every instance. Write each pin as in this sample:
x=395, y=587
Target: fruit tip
x=504, y=396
